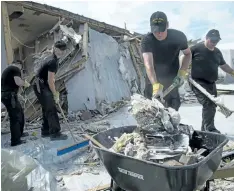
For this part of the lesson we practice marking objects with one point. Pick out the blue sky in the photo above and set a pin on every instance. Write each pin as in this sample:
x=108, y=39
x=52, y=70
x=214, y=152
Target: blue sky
x=193, y=18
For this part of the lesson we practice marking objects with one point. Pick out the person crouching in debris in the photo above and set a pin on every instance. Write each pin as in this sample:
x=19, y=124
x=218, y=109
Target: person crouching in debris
x=11, y=81
x=206, y=59
x=44, y=88
x=160, y=50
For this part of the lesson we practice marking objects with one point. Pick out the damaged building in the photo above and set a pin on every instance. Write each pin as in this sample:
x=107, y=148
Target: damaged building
x=102, y=64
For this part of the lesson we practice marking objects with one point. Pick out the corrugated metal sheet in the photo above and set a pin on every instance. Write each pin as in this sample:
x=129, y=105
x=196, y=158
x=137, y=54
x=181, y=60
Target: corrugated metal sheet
x=101, y=79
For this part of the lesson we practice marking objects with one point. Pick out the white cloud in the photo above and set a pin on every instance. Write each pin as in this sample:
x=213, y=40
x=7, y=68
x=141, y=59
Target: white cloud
x=180, y=15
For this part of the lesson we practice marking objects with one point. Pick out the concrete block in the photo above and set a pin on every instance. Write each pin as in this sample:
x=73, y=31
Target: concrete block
x=86, y=115
x=173, y=163
x=188, y=159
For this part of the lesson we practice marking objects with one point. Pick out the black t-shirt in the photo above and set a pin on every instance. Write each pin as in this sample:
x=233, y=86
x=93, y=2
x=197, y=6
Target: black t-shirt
x=165, y=53
x=8, y=81
x=51, y=66
x=205, y=63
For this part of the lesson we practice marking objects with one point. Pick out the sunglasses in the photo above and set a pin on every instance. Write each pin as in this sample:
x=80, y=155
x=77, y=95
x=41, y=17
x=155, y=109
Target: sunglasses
x=215, y=41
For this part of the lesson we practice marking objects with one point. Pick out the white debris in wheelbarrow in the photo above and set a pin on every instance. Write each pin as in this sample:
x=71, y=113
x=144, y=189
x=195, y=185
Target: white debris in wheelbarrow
x=159, y=135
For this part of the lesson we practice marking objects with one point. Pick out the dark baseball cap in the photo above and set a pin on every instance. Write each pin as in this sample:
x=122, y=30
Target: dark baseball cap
x=158, y=22
x=213, y=34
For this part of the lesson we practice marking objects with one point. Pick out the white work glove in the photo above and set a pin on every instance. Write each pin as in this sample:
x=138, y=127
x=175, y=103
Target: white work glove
x=56, y=97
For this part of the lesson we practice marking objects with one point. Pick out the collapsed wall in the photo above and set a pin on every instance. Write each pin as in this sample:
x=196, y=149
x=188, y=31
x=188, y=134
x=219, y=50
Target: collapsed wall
x=108, y=76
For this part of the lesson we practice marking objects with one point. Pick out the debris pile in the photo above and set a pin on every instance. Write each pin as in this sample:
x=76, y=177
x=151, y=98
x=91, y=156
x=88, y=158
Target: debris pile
x=169, y=150
x=151, y=116
x=159, y=136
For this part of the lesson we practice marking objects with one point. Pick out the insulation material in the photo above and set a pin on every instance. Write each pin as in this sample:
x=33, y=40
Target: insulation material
x=101, y=80
x=152, y=116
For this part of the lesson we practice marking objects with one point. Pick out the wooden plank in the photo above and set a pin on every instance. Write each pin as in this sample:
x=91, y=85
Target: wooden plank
x=223, y=173
x=99, y=188
x=7, y=33
x=85, y=41
x=138, y=69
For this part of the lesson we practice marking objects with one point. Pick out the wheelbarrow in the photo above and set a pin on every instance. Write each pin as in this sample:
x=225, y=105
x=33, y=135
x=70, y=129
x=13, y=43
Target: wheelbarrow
x=132, y=174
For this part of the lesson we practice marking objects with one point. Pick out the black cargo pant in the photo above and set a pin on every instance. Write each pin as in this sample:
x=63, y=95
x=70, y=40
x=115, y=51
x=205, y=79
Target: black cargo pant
x=171, y=100
x=208, y=107
x=15, y=113
x=50, y=123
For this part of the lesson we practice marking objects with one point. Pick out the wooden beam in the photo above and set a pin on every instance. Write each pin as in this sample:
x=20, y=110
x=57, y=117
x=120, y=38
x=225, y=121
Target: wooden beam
x=223, y=173
x=85, y=41
x=7, y=33
x=99, y=188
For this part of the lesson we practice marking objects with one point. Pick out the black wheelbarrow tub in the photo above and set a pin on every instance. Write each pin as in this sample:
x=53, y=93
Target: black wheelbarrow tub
x=137, y=175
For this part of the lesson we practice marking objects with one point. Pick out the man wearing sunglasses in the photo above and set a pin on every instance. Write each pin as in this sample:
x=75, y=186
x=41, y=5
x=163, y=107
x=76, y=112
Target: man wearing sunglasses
x=206, y=59
x=160, y=50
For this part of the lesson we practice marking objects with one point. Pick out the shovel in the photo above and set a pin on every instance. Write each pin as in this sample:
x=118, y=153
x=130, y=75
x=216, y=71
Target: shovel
x=168, y=90
x=222, y=108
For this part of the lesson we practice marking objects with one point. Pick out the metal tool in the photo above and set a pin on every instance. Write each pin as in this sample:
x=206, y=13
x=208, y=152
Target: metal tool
x=168, y=90
x=223, y=109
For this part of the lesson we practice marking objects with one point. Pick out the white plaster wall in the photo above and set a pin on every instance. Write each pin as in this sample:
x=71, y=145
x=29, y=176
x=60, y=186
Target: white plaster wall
x=101, y=79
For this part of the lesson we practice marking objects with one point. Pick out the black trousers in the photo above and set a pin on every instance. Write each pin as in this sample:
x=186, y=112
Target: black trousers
x=15, y=113
x=171, y=100
x=208, y=107
x=50, y=123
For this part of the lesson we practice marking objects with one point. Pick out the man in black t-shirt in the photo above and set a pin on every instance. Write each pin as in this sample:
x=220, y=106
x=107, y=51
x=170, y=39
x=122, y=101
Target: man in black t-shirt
x=206, y=59
x=11, y=81
x=161, y=50
x=44, y=88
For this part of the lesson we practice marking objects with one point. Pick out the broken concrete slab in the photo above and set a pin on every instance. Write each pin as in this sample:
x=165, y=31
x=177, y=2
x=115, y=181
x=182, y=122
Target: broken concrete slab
x=172, y=163
x=86, y=115
x=188, y=159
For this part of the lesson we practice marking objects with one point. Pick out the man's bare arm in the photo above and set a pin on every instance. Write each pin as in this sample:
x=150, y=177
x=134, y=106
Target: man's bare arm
x=51, y=81
x=19, y=81
x=227, y=68
x=186, y=59
x=149, y=65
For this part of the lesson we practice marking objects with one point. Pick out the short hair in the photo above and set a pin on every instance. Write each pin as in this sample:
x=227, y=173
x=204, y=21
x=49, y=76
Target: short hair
x=60, y=45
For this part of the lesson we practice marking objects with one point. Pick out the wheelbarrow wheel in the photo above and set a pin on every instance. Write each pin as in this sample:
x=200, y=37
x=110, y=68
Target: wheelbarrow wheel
x=115, y=187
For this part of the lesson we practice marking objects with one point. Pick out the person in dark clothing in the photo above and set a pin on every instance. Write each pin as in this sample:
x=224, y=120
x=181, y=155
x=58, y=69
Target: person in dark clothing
x=160, y=50
x=206, y=59
x=44, y=88
x=11, y=81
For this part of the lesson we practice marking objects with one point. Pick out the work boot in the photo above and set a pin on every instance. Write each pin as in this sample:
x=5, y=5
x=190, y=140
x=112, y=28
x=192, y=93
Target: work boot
x=25, y=134
x=58, y=136
x=18, y=143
